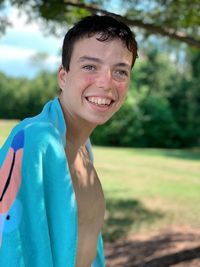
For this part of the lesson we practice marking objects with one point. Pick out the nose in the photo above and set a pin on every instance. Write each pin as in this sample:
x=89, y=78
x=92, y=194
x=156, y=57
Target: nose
x=104, y=80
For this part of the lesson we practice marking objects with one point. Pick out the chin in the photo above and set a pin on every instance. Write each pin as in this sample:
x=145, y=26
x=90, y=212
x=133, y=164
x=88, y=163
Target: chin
x=98, y=120
x=102, y=121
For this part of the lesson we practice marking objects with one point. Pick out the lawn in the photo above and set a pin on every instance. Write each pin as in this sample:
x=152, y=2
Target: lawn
x=149, y=189
x=145, y=189
x=5, y=127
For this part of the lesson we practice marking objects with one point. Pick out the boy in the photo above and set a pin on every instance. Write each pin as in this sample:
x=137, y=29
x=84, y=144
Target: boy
x=51, y=200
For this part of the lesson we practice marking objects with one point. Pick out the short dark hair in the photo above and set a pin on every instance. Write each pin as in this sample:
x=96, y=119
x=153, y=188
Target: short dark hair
x=108, y=29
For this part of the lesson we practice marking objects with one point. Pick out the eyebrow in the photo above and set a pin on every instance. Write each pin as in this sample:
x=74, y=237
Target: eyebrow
x=122, y=64
x=95, y=59
x=98, y=60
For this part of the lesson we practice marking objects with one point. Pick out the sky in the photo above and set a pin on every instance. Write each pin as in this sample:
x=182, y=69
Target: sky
x=21, y=42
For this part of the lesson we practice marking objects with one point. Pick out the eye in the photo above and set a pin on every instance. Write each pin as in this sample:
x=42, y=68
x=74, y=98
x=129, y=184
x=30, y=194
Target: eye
x=121, y=74
x=89, y=68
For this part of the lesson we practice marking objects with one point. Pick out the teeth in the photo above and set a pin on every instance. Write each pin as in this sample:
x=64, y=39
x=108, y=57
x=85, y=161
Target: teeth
x=99, y=100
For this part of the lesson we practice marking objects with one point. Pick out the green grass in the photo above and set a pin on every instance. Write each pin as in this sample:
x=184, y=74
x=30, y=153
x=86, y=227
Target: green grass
x=5, y=128
x=148, y=189
x=145, y=189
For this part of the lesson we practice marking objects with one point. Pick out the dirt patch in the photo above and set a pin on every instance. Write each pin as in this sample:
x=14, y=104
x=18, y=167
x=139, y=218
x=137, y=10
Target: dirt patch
x=177, y=247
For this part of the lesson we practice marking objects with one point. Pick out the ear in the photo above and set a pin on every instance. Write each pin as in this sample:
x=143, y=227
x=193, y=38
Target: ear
x=61, y=77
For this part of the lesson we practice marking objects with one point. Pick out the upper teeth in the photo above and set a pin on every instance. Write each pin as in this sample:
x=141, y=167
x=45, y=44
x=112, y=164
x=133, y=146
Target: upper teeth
x=99, y=100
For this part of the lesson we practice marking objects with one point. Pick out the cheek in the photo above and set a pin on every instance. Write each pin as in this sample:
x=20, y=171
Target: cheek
x=90, y=79
x=122, y=89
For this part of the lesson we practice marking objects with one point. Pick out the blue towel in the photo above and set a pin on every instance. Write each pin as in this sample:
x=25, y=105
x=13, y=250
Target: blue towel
x=38, y=209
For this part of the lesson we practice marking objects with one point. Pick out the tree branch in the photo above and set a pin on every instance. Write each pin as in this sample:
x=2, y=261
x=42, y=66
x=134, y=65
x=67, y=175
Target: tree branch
x=176, y=35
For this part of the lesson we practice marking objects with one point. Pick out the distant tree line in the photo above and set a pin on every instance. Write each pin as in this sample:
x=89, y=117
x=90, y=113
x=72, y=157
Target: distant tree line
x=162, y=108
x=20, y=97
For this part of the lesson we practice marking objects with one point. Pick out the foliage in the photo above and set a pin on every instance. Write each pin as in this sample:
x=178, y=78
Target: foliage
x=175, y=19
x=21, y=97
x=148, y=122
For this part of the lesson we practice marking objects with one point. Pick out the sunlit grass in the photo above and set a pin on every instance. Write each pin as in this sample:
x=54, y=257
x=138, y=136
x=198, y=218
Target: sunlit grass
x=5, y=128
x=164, y=183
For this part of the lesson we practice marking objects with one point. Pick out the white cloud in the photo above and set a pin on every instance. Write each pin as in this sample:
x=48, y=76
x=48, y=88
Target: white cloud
x=54, y=60
x=19, y=20
x=22, y=41
x=9, y=52
x=29, y=34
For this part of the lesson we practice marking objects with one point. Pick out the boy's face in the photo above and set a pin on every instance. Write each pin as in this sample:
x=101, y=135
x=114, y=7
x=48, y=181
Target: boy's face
x=96, y=84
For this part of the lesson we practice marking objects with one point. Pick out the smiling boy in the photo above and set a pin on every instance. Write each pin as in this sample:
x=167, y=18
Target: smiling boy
x=55, y=213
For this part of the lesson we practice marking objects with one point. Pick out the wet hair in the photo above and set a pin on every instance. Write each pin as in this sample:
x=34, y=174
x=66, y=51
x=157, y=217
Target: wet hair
x=107, y=28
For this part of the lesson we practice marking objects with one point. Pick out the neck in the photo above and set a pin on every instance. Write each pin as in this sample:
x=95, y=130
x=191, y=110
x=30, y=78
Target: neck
x=77, y=136
x=78, y=132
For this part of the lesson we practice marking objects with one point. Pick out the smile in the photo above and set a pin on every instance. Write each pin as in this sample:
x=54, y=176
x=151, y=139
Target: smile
x=99, y=101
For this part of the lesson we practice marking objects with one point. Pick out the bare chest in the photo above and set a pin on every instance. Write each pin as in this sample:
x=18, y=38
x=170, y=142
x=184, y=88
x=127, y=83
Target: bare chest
x=88, y=190
x=91, y=207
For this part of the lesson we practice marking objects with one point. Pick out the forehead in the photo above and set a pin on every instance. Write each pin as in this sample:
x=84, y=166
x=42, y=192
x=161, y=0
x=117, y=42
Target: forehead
x=112, y=50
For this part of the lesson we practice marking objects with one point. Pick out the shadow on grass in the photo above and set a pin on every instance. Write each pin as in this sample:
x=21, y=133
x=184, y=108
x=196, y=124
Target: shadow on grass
x=124, y=215
x=162, y=250
x=182, y=154
x=187, y=154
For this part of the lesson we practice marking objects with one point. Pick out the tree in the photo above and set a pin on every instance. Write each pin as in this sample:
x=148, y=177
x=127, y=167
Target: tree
x=21, y=98
x=175, y=19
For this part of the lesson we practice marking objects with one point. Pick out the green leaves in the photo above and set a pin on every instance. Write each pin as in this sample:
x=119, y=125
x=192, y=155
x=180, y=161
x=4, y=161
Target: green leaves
x=176, y=19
